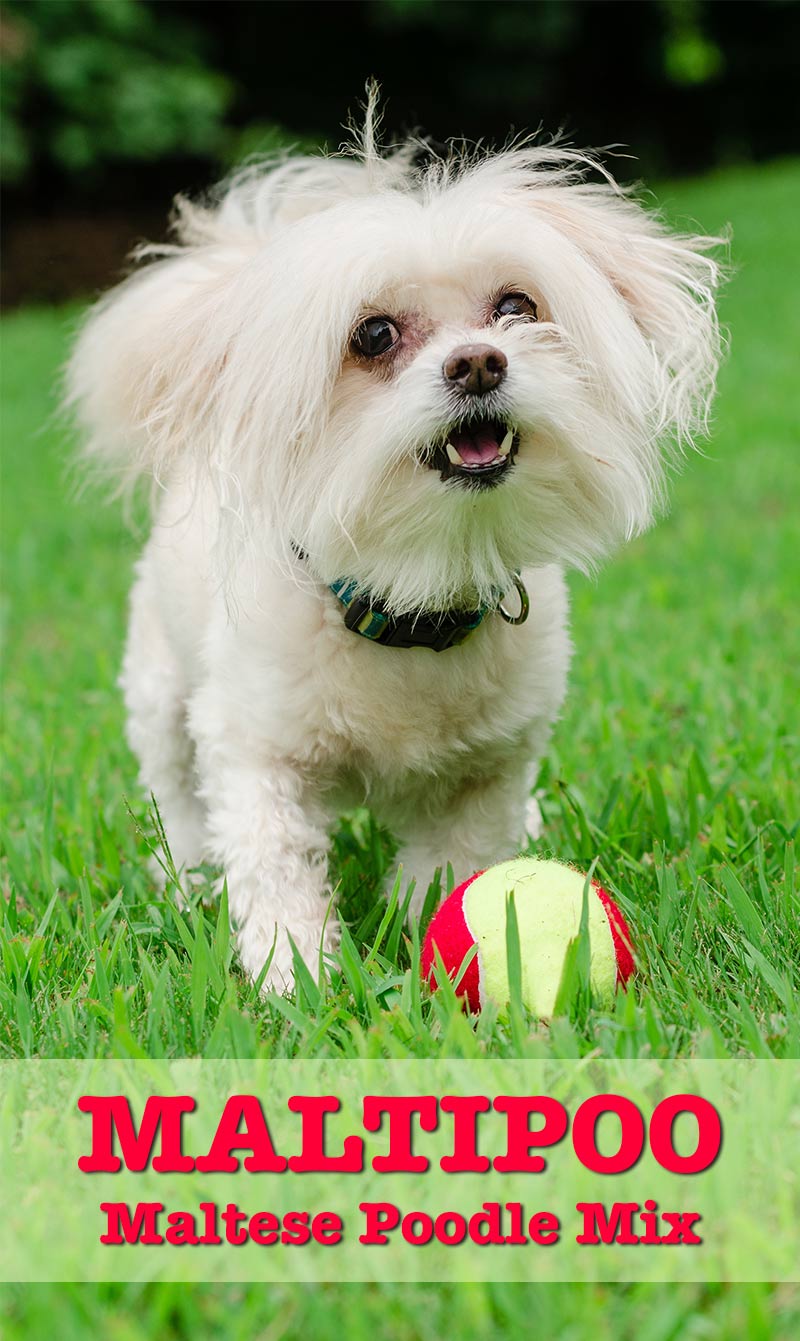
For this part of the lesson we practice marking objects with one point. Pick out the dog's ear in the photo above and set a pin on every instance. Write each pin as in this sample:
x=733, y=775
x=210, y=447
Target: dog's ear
x=143, y=370
x=190, y=363
x=668, y=282
x=193, y=355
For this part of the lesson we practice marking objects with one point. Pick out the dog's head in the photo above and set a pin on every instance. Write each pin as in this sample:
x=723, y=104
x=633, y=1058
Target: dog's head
x=426, y=377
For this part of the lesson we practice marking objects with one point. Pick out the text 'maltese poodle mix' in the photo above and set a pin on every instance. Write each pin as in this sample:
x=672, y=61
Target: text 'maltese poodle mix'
x=386, y=400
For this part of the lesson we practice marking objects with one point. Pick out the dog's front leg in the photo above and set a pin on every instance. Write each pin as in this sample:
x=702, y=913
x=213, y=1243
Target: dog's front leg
x=268, y=831
x=486, y=819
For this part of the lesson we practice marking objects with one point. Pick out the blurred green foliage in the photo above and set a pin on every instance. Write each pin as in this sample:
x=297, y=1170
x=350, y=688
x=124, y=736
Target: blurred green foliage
x=89, y=81
x=690, y=57
x=551, y=28
x=94, y=88
x=483, y=1312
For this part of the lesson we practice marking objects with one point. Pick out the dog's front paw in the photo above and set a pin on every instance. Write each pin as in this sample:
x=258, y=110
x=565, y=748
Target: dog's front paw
x=260, y=946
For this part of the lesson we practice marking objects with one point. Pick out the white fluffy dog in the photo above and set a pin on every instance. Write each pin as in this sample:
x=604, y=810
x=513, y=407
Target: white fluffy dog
x=380, y=399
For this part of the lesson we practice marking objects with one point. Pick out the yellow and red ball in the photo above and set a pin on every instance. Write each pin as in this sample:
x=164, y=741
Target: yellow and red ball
x=548, y=900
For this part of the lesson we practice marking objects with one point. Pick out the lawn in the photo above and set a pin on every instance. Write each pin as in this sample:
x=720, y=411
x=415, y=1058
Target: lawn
x=674, y=764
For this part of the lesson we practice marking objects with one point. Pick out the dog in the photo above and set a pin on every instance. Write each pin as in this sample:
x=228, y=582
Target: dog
x=385, y=400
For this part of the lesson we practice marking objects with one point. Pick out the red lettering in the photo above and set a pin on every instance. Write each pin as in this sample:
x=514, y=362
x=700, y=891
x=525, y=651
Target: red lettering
x=313, y=1158
x=515, y=1235
x=600, y=1228
x=457, y=1234
x=544, y=1228
x=295, y=1230
x=255, y=1137
x=649, y=1218
x=140, y=1227
x=681, y=1232
x=519, y=1136
x=465, y=1110
x=584, y=1133
x=490, y=1218
x=326, y=1228
x=232, y=1218
x=382, y=1217
x=417, y=1237
x=400, y=1110
x=180, y=1229
x=112, y=1113
x=209, y=1234
x=263, y=1228
x=709, y=1133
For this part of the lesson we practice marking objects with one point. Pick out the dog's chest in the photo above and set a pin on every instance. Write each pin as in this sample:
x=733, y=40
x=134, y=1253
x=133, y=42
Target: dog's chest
x=388, y=711
x=301, y=686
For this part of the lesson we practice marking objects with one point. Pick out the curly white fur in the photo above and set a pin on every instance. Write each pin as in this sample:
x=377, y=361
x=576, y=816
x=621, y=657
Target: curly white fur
x=221, y=370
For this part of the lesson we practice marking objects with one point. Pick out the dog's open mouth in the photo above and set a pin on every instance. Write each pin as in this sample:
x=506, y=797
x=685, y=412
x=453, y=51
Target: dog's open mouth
x=478, y=454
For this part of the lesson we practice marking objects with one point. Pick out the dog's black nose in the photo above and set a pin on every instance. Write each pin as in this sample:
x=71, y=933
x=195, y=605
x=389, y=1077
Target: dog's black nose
x=475, y=369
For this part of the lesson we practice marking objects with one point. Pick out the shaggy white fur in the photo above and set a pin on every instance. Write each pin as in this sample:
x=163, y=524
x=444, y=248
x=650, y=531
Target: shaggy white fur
x=229, y=370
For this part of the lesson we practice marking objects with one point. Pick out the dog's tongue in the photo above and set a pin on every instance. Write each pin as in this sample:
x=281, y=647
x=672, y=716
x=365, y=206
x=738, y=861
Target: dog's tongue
x=477, y=448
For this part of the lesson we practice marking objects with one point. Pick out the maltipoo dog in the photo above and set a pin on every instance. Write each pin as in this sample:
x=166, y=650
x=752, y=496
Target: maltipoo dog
x=385, y=400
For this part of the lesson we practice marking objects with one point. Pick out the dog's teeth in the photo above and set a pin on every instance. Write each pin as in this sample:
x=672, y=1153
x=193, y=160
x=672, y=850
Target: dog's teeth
x=453, y=455
x=505, y=445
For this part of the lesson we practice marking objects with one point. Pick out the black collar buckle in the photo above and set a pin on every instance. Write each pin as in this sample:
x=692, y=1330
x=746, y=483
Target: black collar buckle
x=437, y=631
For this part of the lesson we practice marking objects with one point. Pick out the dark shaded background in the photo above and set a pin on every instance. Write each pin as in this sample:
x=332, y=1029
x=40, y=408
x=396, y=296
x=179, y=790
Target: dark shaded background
x=110, y=106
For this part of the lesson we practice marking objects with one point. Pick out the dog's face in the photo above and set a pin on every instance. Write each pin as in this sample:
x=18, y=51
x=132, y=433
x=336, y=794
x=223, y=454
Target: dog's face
x=466, y=436
x=427, y=382
x=495, y=394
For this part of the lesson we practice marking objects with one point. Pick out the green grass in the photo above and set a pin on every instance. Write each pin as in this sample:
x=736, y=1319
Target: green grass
x=675, y=765
x=405, y=1313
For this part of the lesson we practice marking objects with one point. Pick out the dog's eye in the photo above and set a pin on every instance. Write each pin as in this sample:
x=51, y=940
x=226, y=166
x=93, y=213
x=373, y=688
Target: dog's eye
x=516, y=305
x=376, y=335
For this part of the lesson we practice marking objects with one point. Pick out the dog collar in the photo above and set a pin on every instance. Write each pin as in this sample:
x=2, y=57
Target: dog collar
x=367, y=616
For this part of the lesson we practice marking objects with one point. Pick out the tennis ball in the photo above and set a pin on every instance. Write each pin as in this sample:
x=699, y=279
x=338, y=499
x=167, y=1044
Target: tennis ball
x=548, y=898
